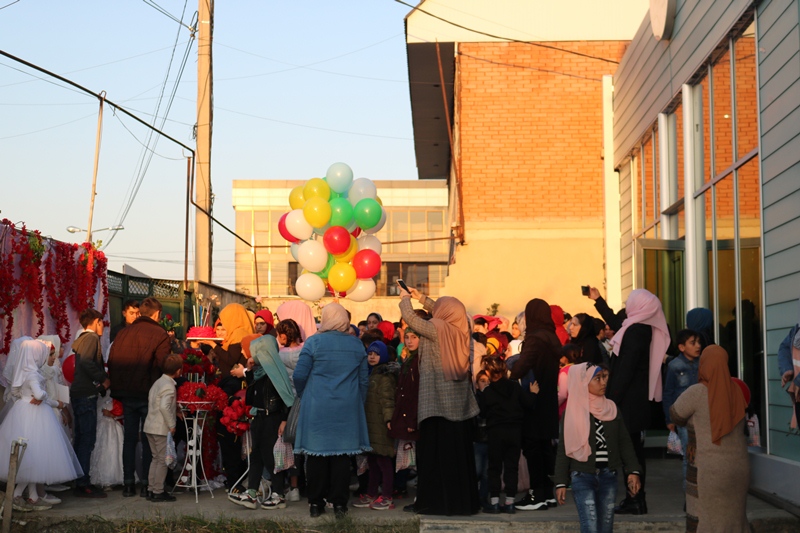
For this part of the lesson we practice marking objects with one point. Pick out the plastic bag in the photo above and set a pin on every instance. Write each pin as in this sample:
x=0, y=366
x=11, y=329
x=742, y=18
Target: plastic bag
x=283, y=454
x=753, y=431
x=361, y=464
x=406, y=455
x=171, y=457
x=674, y=445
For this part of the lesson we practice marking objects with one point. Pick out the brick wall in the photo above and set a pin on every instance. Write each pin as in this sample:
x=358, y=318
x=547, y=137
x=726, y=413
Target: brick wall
x=531, y=141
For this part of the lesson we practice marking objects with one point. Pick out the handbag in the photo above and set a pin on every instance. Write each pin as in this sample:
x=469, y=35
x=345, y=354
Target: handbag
x=406, y=455
x=283, y=455
x=290, y=431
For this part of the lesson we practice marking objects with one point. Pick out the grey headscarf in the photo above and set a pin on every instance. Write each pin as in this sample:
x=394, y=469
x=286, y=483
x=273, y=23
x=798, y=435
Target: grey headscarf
x=334, y=318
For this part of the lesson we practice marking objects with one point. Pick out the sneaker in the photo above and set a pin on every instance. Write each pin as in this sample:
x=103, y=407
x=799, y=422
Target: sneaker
x=89, y=491
x=364, y=501
x=382, y=504
x=56, y=488
x=492, y=508
x=293, y=495
x=21, y=504
x=49, y=499
x=246, y=499
x=529, y=503
x=235, y=494
x=276, y=501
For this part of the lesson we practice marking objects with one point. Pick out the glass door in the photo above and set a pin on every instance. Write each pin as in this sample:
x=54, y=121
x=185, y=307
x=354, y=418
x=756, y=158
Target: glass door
x=661, y=272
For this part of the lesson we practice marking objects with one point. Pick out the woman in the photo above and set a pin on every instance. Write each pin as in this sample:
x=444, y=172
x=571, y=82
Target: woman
x=301, y=314
x=540, y=356
x=714, y=412
x=264, y=322
x=447, y=484
x=638, y=350
x=373, y=319
x=582, y=333
x=331, y=379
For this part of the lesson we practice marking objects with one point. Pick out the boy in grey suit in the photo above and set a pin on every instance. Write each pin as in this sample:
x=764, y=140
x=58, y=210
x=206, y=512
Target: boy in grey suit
x=161, y=412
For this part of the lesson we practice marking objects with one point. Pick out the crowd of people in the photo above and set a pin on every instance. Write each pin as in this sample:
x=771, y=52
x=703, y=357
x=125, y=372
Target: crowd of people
x=452, y=399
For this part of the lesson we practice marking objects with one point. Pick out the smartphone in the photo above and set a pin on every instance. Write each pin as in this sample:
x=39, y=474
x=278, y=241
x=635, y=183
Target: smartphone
x=403, y=285
x=585, y=290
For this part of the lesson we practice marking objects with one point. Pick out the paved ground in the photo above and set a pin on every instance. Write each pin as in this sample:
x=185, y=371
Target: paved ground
x=664, y=500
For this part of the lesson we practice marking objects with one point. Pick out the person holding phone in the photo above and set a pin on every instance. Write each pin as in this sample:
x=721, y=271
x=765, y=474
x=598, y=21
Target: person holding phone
x=447, y=483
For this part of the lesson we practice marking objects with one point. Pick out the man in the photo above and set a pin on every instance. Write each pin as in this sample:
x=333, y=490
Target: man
x=130, y=312
x=89, y=381
x=135, y=363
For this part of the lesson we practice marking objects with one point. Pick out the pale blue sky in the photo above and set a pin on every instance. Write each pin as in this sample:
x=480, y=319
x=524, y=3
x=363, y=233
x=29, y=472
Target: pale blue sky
x=286, y=74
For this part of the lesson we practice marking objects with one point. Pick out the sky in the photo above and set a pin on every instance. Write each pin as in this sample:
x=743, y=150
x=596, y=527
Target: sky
x=297, y=86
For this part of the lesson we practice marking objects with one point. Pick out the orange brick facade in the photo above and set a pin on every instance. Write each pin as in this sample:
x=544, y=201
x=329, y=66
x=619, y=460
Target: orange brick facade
x=530, y=138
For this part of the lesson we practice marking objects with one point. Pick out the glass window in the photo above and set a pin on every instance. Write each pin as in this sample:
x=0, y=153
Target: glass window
x=399, y=231
x=723, y=119
x=436, y=230
x=746, y=93
x=418, y=232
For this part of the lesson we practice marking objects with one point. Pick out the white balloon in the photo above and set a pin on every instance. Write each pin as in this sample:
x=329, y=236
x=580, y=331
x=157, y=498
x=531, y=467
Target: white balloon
x=312, y=256
x=360, y=189
x=297, y=225
x=363, y=291
x=370, y=242
x=294, y=249
x=310, y=287
x=339, y=177
x=379, y=226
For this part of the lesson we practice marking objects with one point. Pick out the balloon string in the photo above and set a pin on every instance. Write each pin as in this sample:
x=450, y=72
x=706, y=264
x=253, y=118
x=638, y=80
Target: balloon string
x=384, y=243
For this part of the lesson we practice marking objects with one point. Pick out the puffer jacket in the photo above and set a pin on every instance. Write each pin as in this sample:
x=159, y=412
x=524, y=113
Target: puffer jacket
x=380, y=407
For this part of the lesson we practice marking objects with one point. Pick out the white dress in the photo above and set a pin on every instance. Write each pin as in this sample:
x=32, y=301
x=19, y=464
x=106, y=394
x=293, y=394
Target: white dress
x=105, y=467
x=48, y=457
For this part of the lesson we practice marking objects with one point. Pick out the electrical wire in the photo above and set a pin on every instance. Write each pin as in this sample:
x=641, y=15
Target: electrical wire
x=509, y=39
x=528, y=68
x=59, y=85
x=168, y=14
x=9, y=5
x=49, y=128
x=143, y=144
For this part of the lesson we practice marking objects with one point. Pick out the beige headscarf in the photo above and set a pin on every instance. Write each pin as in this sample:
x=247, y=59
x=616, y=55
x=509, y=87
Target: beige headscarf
x=452, y=327
x=334, y=318
x=237, y=322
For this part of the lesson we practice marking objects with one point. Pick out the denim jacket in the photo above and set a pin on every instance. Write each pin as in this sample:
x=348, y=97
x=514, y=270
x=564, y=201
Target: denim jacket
x=785, y=355
x=681, y=374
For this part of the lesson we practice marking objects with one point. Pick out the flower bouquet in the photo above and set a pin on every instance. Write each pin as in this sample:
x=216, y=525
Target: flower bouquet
x=197, y=366
x=168, y=323
x=236, y=417
x=201, y=397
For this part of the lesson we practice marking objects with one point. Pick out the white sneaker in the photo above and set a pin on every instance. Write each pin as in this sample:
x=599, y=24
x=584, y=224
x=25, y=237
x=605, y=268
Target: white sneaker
x=293, y=495
x=49, y=499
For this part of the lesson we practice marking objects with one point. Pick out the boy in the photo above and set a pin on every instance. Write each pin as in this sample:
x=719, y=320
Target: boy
x=161, y=411
x=682, y=374
x=90, y=380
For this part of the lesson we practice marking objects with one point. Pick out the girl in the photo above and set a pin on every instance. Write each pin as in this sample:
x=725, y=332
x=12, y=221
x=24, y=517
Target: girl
x=379, y=410
x=105, y=468
x=49, y=457
x=291, y=342
x=594, y=444
x=54, y=377
x=406, y=399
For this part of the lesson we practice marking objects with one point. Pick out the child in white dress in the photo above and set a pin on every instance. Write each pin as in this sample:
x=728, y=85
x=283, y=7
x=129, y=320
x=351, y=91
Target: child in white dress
x=105, y=468
x=48, y=457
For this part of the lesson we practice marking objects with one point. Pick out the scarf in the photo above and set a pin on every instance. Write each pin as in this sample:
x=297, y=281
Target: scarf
x=301, y=314
x=644, y=307
x=557, y=314
x=246, y=344
x=387, y=328
x=725, y=399
x=452, y=329
x=13, y=360
x=237, y=324
x=32, y=356
x=379, y=348
x=266, y=316
x=265, y=353
x=334, y=318
x=581, y=404
x=52, y=372
x=521, y=325
x=492, y=322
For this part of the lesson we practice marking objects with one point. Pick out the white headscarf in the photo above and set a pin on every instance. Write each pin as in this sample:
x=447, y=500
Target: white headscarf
x=32, y=356
x=13, y=360
x=52, y=372
x=334, y=318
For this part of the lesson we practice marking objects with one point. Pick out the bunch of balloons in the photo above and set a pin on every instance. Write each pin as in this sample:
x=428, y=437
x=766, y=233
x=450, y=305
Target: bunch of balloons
x=331, y=227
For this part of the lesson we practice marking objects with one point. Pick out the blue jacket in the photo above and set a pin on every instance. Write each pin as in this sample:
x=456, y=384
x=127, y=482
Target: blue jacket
x=331, y=379
x=785, y=355
x=681, y=374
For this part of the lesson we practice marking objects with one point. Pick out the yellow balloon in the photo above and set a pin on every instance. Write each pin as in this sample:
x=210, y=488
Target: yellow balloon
x=317, y=212
x=377, y=199
x=342, y=276
x=317, y=188
x=296, y=199
x=349, y=254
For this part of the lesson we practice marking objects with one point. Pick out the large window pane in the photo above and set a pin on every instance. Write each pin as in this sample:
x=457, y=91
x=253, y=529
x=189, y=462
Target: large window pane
x=746, y=93
x=648, y=179
x=418, y=232
x=436, y=230
x=726, y=269
x=723, y=119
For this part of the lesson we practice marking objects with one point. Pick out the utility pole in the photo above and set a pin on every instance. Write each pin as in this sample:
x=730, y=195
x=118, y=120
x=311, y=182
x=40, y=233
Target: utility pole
x=203, y=242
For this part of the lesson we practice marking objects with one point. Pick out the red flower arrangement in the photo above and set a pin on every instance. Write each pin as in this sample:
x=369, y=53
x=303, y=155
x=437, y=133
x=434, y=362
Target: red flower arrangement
x=236, y=417
x=196, y=362
x=26, y=251
x=201, y=397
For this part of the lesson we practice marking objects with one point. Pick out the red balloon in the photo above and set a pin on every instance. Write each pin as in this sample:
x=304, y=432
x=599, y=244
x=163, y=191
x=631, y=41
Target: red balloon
x=745, y=389
x=334, y=293
x=285, y=232
x=68, y=368
x=336, y=240
x=367, y=264
x=356, y=232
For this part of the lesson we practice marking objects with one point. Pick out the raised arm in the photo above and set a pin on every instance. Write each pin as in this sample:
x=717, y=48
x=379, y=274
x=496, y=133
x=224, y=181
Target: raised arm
x=418, y=324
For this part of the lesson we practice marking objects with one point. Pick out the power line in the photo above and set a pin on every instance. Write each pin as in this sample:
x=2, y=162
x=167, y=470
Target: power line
x=143, y=144
x=49, y=128
x=9, y=5
x=510, y=39
x=528, y=68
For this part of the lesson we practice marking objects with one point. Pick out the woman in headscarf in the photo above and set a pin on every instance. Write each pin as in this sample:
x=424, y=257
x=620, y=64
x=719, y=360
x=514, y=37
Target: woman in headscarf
x=299, y=312
x=719, y=469
x=332, y=380
x=264, y=322
x=539, y=362
x=638, y=351
x=447, y=484
x=594, y=444
x=582, y=332
x=557, y=314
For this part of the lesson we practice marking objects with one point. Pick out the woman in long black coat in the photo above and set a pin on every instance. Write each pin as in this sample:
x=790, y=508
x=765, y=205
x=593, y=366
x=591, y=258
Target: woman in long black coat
x=584, y=334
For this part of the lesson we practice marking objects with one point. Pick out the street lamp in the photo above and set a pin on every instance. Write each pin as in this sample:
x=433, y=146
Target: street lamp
x=74, y=229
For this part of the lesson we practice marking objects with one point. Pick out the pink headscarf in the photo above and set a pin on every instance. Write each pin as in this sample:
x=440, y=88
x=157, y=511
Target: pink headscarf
x=581, y=404
x=300, y=313
x=644, y=307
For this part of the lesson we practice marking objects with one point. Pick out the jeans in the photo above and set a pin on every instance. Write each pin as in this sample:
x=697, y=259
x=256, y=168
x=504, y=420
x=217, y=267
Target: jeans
x=482, y=470
x=85, y=410
x=594, y=497
x=135, y=412
x=683, y=434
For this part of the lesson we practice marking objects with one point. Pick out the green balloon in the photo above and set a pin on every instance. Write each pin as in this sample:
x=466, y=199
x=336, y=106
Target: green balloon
x=324, y=272
x=368, y=213
x=341, y=212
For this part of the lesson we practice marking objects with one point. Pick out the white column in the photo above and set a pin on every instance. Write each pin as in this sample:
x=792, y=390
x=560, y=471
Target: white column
x=613, y=238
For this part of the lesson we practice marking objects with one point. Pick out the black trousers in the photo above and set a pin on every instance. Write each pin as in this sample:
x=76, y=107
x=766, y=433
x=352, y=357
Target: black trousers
x=264, y=431
x=230, y=448
x=328, y=479
x=504, y=447
x=541, y=458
